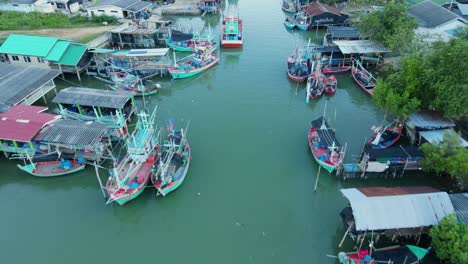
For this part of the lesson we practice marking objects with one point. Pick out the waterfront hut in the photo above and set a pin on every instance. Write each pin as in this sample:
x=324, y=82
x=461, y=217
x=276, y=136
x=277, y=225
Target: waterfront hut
x=137, y=37
x=25, y=84
x=425, y=120
x=125, y=9
x=46, y=52
x=341, y=33
x=367, y=51
x=111, y=108
x=460, y=204
x=18, y=127
x=79, y=139
x=393, y=212
x=435, y=22
x=320, y=14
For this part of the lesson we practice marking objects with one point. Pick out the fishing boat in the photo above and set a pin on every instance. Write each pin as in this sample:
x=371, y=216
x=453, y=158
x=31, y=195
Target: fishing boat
x=53, y=168
x=324, y=147
x=316, y=84
x=123, y=78
x=406, y=254
x=334, y=70
x=138, y=88
x=331, y=86
x=385, y=136
x=232, y=32
x=171, y=168
x=187, y=42
x=289, y=6
x=297, y=68
x=129, y=178
x=202, y=60
x=289, y=23
x=363, y=78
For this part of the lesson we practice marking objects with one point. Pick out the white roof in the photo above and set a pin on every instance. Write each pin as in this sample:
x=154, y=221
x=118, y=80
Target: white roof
x=463, y=9
x=360, y=46
x=397, y=211
x=142, y=52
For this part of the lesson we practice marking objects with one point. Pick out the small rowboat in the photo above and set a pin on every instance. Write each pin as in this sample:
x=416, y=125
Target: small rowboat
x=332, y=83
x=318, y=82
x=333, y=70
x=52, y=168
x=363, y=80
x=385, y=137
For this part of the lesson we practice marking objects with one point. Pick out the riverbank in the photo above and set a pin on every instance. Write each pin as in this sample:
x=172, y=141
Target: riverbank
x=180, y=7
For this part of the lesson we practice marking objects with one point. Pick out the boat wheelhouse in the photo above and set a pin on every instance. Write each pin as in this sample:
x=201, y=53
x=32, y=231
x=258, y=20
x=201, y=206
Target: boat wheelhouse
x=111, y=108
x=232, y=32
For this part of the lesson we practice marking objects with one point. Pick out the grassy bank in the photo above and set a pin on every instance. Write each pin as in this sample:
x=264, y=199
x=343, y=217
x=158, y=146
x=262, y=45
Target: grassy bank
x=28, y=21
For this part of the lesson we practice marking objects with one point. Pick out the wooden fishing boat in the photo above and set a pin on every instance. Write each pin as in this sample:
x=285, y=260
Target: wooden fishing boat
x=385, y=136
x=363, y=78
x=334, y=70
x=316, y=84
x=289, y=23
x=289, y=6
x=332, y=84
x=232, y=32
x=123, y=78
x=52, y=168
x=187, y=42
x=297, y=68
x=128, y=180
x=202, y=60
x=323, y=144
x=406, y=254
x=171, y=169
x=139, y=89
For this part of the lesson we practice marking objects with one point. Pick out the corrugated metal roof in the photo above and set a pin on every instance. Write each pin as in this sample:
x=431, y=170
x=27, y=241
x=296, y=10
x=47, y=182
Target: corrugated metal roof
x=72, y=55
x=130, y=5
x=460, y=203
x=463, y=8
x=17, y=82
x=360, y=46
x=28, y=45
x=22, y=122
x=93, y=97
x=429, y=120
x=429, y=14
x=344, y=32
x=397, y=211
x=57, y=51
x=72, y=133
x=141, y=52
x=437, y=136
x=320, y=8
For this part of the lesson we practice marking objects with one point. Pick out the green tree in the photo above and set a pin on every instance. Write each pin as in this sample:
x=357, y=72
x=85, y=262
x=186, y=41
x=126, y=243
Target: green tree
x=450, y=240
x=448, y=158
x=392, y=26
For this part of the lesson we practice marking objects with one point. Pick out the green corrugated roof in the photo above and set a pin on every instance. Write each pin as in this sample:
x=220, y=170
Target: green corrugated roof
x=28, y=45
x=57, y=51
x=72, y=55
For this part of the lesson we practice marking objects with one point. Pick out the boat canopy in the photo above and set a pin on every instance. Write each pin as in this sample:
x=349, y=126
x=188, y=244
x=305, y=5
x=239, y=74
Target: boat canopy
x=72, y=133
x=232, y=26
x=93, y=97
x=177, y=35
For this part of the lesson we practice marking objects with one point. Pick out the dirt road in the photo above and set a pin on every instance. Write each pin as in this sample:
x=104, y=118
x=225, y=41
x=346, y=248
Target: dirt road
x=180, y=7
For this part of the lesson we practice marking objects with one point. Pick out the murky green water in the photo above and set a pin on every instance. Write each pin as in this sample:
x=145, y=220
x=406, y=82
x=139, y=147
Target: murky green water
x=248, y=197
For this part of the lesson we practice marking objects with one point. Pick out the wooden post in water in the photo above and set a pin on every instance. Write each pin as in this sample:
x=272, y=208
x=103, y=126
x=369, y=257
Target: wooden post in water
x=317, y=178
x=99, y=180
x=346, y=233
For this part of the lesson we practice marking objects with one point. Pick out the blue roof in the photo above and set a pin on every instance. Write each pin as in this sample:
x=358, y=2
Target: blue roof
x=429, y=120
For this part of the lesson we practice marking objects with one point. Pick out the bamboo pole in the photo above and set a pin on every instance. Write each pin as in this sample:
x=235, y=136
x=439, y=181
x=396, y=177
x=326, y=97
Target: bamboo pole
x=346, y=233
x=317, y=178
x=99, y=180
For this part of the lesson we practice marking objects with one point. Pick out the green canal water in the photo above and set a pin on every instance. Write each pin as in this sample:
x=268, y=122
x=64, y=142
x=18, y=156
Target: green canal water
x=248, y=196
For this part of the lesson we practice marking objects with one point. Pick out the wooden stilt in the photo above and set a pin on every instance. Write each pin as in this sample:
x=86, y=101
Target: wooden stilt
x=78, y=74
x=317, y=178
x=99, y=180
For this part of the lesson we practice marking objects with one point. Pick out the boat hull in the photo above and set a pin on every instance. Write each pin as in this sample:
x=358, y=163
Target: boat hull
x=50, y=169
x=178, y=74
x=332, y=70
x=303, y=27
x=369, y=90
x=295, y=78
x=231, y=43
x=179, y=48
x=289, y=25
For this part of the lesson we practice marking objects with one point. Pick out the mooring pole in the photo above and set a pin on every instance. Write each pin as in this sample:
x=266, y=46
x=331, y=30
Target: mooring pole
x=99, y=180
x=317, y=178
x=344, y=237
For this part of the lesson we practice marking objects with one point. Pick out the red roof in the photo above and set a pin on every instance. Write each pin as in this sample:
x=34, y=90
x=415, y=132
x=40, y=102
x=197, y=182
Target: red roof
x=22, y=122
x=319, y=8
x=383, y=191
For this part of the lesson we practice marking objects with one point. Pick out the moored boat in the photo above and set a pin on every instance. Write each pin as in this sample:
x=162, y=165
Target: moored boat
x=363, y=78
x=202, y=60
x=386, y=136
x=187, y=42
x=289, y=23
x=128, y=180
x=232, y=32
x=297, y=68
x=323, y=144
x=331, y=86
x=53, y=168
x=289, y=6
x=171, y=169
x=406, y=254
x=316, y=84
x=138, y=88
x=334, y=70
